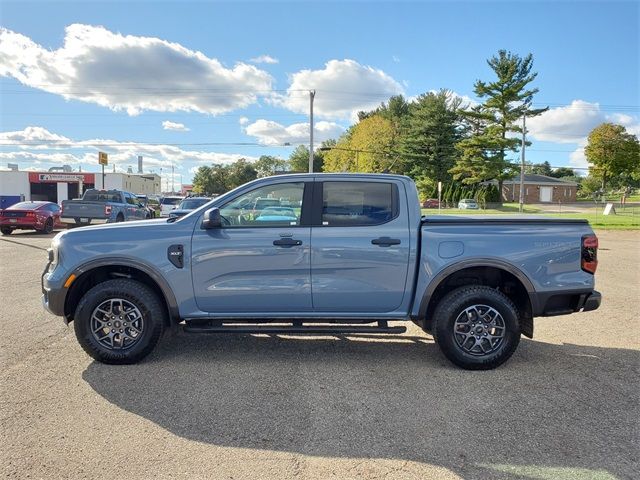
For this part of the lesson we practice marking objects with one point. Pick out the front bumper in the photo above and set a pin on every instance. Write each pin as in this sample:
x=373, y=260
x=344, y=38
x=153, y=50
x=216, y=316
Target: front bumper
x=53, y=296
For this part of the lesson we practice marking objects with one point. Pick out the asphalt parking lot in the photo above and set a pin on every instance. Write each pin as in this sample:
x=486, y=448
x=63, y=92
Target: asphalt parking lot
x=566, y=406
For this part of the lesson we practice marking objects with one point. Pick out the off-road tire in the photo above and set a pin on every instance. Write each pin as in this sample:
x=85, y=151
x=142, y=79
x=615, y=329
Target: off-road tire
x=452, y=306
x=141, y=296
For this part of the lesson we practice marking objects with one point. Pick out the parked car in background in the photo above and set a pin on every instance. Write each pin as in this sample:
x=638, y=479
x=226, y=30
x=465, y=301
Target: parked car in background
x=103, y=206
x=39, y=216
x=430, y=203
x=468, y=204
x=169, y=203
x=277, y=214
x=188, y=205
x=150, y=204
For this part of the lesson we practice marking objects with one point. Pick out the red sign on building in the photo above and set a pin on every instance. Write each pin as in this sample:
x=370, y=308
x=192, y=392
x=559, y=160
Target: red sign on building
x=48, y=177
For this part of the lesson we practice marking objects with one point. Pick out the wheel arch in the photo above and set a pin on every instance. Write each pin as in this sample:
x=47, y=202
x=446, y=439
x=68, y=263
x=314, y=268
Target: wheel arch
x=95, y=272
x=495, y=273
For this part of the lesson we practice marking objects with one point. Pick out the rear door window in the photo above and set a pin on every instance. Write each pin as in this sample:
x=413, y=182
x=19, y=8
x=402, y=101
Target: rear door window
x=358, y=204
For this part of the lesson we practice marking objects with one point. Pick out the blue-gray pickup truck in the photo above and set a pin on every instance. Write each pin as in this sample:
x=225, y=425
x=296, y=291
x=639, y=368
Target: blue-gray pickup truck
x=334, y=254
x=103, y=206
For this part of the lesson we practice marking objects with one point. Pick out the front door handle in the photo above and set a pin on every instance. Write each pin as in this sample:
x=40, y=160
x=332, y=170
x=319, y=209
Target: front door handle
x=385, y=241
x=287, y=242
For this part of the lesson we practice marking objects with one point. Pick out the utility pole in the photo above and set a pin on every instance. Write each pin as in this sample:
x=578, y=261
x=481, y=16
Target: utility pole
x=524, y=128
x=172, y=180
x=312, y=94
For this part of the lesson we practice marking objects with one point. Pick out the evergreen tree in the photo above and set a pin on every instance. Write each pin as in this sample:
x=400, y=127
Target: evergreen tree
x=299, y=160
x=483, y=154
x=542, y=169
x=430, y=133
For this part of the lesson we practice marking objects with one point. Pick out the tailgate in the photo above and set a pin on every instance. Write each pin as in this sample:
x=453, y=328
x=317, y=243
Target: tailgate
x=83, y=209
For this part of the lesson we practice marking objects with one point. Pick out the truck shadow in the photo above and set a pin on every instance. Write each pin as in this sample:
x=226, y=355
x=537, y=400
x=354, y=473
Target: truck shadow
x=552, y=411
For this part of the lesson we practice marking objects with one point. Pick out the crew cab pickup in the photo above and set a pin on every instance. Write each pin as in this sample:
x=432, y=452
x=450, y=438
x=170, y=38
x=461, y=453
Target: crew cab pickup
x=103, y=206
x=351, y=255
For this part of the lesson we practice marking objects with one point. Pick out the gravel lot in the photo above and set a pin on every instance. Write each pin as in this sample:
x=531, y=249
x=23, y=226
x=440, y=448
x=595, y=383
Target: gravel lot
x=566, y=406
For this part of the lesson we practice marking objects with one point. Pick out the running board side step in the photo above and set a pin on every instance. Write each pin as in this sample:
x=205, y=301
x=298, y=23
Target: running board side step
x=293, y=329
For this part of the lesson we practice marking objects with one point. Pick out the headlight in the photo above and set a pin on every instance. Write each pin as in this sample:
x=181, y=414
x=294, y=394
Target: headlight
x=53, y=253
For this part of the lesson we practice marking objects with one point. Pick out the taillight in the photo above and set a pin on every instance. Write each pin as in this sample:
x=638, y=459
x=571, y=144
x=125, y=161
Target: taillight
x=589, y=253
x=107, y=209
x=30, y=214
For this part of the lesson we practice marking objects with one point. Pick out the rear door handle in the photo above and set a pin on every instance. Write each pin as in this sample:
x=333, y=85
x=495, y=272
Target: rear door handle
x=385, y=241
x=287, y=242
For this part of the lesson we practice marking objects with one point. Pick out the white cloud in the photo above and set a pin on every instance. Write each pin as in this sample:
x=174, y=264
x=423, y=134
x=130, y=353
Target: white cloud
x=343, y=87
x=243, y=120
x=395, y=58
x=572, y=123
x=264, y=59
x=126, y=72
x=272, y=133
x=569, y=124
x=178, y=127
x=33, y=138
x=121, y=154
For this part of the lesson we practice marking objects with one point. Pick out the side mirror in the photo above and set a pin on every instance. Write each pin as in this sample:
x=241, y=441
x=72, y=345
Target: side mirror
x=212, y=219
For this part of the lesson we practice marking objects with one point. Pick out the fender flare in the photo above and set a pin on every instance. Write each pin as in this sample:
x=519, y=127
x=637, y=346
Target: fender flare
x=166, y=290
x=443, y=274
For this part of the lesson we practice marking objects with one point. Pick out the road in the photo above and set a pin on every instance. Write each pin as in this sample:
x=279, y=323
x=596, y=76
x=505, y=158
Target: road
x=566, y=405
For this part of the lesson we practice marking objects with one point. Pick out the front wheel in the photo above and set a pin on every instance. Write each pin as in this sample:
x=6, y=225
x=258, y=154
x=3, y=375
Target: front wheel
x=119, y=321
x=477, y=327
x=6, y=230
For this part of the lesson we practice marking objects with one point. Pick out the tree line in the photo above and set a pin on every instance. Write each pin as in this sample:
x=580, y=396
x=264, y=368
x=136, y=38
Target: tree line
x=440, y=137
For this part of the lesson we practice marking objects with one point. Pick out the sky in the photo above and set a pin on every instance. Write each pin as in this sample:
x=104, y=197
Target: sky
x=186, y=84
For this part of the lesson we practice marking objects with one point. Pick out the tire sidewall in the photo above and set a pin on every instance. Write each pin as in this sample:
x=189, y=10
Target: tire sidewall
x=455, y=303
x=48, y=225
x=140, y=296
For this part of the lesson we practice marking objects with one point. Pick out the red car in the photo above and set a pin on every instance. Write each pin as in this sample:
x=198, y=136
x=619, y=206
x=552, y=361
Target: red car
x=430, y=203
x=40, y=216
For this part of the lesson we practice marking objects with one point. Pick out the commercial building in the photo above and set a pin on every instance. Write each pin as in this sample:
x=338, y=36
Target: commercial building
x=55, y=187
x=538, y=189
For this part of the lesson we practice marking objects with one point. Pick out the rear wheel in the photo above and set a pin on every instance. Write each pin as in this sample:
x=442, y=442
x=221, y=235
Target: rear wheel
x=476, y=327
x=48, y=225
x=119, y=321
x=6, y=230
x=119, y=218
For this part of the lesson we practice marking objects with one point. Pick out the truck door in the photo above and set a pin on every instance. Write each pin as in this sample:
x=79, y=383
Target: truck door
x=360, y=246
x=259, y=261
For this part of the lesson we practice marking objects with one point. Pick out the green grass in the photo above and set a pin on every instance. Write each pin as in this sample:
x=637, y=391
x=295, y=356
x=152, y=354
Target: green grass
x=613, y=198
x=624, y=219
x=629, y=219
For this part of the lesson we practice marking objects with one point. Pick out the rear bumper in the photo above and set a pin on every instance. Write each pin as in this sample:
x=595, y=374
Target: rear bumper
x=78, y=220
x=21, y=223
x=592, y=302
x=550, y=304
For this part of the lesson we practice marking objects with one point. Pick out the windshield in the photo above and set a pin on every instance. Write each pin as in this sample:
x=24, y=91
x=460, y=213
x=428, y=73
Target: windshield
x=192, y=203
x=170, y=200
